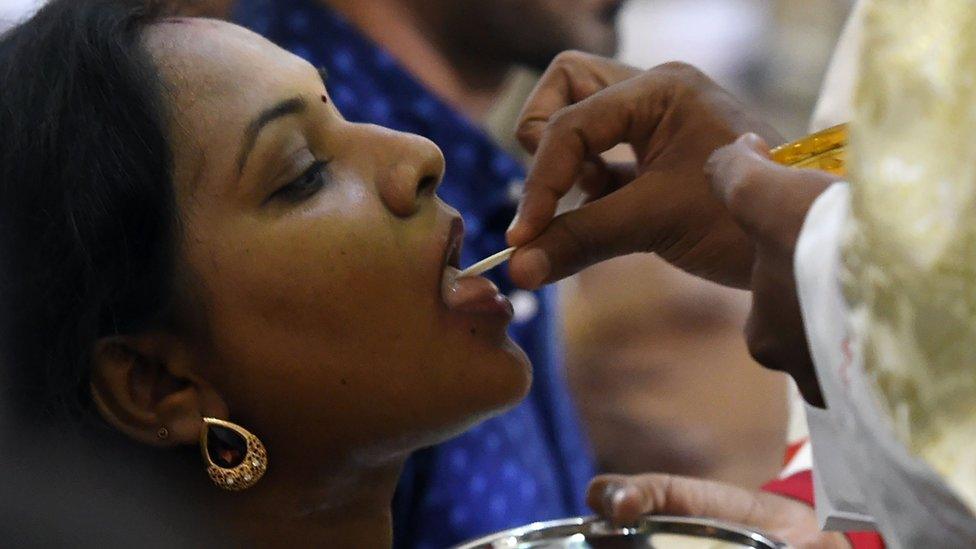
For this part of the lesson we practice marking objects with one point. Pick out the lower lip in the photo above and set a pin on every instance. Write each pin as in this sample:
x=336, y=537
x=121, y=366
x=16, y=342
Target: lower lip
x=474, y=295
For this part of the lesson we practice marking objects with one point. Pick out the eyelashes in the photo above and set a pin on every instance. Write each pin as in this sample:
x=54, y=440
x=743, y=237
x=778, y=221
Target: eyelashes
x=303, y=187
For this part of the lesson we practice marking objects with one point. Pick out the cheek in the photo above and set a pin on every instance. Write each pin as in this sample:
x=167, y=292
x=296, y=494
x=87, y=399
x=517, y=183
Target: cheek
x=316, y=290
x=339, y=316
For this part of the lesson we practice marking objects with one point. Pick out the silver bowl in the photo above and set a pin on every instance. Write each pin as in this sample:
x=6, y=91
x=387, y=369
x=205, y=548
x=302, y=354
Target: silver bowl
x=651, y=532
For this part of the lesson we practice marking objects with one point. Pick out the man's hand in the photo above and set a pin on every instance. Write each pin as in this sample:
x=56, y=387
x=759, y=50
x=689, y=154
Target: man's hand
x=624, y=499
x=673, y=117
x=769, y=202
x=735, y=221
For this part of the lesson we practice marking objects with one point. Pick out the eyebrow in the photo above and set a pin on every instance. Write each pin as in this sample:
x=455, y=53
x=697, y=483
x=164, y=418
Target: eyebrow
x=287, y=107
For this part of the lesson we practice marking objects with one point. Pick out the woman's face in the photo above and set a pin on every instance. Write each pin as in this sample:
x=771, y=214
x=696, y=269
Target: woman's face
x=314, y=251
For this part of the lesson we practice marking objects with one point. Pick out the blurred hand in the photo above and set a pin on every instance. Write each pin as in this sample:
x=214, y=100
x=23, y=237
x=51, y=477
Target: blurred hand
x=769, y=203
x=673, y=117
x=623, y=499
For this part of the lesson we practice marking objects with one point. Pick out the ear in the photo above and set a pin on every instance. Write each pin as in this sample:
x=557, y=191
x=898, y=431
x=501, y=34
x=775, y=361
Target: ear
x=143, y=384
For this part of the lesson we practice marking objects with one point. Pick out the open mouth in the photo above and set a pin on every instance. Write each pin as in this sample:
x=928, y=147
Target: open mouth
x=470, y=294
x=455, y=239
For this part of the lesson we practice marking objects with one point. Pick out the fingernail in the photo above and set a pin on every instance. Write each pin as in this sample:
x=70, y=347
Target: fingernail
x=618, y=497
x=753, y=141
x=536, y=262
x=610, y=496
x=514, y=222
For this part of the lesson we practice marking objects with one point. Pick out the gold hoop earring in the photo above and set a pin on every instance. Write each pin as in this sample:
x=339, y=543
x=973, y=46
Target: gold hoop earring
x=236, y=459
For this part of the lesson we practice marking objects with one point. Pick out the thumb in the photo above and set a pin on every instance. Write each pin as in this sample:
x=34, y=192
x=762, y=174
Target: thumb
x=738, y=174
x=768, y=200
x=608, y=227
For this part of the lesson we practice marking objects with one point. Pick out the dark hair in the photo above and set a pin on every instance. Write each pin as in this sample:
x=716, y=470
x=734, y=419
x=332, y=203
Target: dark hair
x=87, y=209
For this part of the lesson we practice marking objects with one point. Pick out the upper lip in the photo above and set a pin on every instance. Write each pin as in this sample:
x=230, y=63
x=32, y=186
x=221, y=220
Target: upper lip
x=452, y=249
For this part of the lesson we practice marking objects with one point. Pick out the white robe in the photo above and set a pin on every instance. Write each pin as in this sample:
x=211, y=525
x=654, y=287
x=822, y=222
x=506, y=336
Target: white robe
x=865, y=478
x=842, y=506
x=867, y=472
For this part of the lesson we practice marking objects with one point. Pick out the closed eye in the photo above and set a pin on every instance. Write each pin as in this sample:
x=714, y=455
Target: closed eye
x=306, y=185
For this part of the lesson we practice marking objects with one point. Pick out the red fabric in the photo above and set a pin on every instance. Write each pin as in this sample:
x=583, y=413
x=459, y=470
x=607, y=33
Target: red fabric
x=792, y=450
x=800, y=488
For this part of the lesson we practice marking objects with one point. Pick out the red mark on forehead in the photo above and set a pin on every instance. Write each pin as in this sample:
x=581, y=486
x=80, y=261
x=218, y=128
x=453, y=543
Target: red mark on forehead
x=325, y=99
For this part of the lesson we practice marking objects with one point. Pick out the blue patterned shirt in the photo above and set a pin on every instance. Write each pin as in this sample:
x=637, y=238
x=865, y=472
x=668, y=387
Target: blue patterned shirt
x=530, y=463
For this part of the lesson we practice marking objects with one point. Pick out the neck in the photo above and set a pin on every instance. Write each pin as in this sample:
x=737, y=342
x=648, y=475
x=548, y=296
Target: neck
x=468, y=82
x=348, y=508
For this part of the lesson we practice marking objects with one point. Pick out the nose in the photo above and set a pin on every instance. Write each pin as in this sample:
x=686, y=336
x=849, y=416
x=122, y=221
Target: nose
x=409, y=170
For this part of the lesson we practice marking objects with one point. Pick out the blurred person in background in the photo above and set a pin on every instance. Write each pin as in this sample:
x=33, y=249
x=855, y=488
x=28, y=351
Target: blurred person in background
x=443, y=69
x=663, y=379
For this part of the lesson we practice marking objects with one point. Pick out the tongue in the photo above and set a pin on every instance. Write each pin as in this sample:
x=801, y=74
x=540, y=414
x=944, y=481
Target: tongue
x=471, y=293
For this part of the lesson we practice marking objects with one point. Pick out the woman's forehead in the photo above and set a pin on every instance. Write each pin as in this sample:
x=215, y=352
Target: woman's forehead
x=206, y=60
x=217, y=77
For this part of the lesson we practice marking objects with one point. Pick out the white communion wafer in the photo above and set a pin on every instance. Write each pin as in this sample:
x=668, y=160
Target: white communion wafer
x=487, y=264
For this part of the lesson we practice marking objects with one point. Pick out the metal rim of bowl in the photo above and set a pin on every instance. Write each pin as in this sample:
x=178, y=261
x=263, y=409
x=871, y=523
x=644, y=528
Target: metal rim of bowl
x=650, y=524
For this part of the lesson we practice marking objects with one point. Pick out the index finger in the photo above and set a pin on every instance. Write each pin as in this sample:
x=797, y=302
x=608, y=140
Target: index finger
x=572, y=77
x=624, y=112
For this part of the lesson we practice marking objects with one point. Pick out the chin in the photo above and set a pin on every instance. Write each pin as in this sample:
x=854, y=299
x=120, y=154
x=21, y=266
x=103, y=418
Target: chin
x=523, y=376
x=501, y=384
x=514, y=380
x=504, y=386
x=496, y=379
